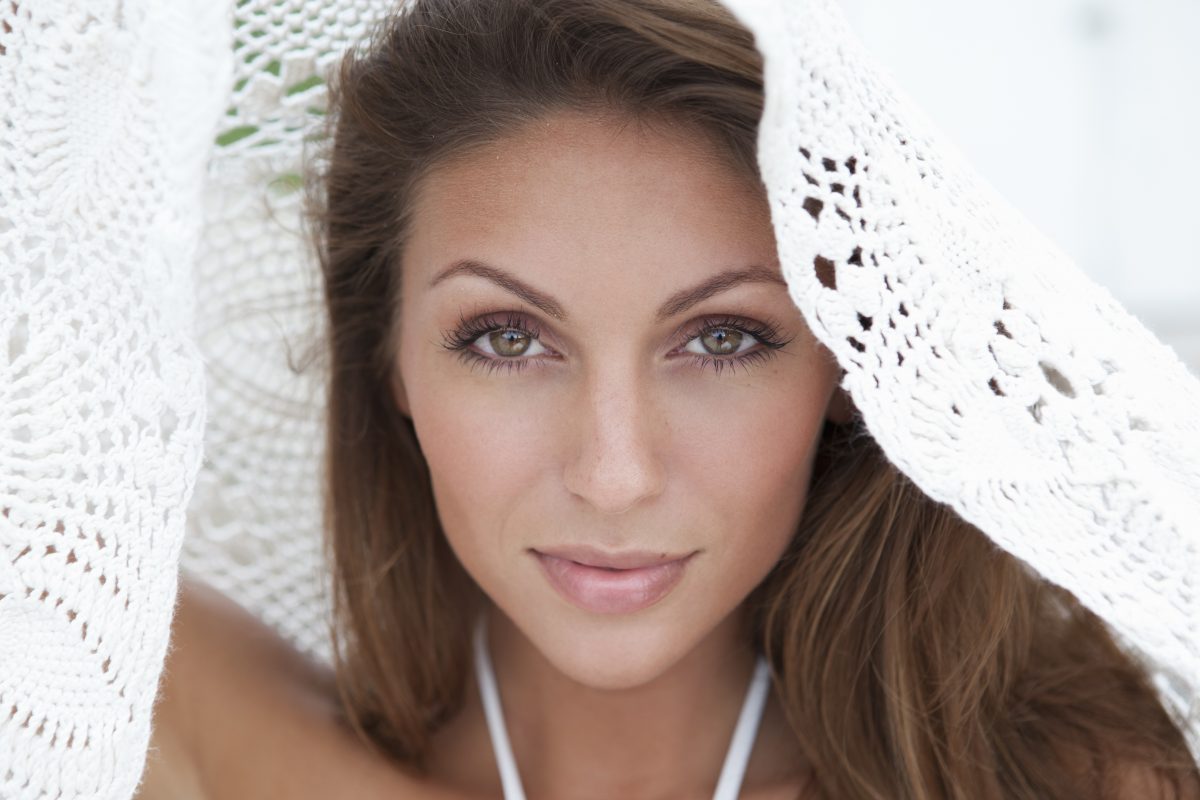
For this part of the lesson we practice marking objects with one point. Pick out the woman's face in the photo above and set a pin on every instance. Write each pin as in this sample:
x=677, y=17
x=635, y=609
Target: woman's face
x=570, y=387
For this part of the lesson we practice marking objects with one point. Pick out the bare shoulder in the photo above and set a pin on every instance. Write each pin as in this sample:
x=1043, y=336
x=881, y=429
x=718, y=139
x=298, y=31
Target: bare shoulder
x=242, y=713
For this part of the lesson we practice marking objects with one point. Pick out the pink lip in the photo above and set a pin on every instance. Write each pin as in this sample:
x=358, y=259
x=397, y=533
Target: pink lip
x=613, y=591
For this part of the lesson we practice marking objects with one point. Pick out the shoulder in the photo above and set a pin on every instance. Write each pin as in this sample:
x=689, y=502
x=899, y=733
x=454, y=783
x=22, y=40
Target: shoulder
x=242, y=713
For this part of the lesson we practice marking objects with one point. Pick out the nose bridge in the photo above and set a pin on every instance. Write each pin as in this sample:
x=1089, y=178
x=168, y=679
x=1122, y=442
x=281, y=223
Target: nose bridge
x=617, y=462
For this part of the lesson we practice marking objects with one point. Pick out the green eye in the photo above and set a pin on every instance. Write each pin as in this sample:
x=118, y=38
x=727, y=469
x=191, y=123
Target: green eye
x=503, y=342
x=509, y=342
x=721, y=341
x=495, y=341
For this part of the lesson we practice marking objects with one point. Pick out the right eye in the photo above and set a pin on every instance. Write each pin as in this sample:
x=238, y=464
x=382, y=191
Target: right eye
x=509, y=342
x=496, y=341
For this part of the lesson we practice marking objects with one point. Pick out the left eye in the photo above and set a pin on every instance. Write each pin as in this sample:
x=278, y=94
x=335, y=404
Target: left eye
x=721, y=341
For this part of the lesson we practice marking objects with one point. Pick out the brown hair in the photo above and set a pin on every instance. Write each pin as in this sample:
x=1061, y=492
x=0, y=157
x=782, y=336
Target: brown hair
x=915, y=659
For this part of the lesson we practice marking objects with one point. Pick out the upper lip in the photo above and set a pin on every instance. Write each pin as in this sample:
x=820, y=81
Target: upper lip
x=626, y=559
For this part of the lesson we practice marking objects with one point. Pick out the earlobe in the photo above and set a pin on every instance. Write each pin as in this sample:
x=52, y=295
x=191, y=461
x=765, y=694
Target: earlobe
x=399, y=395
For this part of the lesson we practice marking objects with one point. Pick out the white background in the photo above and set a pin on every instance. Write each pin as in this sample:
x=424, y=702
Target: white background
x=1085, y=114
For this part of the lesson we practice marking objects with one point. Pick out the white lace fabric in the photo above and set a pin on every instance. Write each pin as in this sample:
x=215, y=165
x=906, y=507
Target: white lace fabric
x=106, y=118
x=989, y=368
x=157, y=300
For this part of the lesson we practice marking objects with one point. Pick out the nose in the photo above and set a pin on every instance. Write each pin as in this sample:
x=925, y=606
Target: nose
x=618, y=427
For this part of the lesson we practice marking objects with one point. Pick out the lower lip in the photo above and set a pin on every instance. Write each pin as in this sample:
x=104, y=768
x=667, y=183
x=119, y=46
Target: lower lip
x=605, y=591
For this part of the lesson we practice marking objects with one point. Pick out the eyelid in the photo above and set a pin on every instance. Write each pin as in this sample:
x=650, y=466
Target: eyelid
x=766, y=331
x=480, y=321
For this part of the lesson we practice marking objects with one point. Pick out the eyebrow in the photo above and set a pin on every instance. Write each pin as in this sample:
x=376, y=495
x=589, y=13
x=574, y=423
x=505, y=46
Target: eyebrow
x=675, y=304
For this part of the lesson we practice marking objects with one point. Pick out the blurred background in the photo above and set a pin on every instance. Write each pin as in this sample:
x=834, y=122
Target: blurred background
x=1085, y=114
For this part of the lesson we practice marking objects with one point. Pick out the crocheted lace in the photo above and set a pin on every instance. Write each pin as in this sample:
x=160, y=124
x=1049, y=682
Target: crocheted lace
x=989, y=368
x=157, y=301
x=107, y=110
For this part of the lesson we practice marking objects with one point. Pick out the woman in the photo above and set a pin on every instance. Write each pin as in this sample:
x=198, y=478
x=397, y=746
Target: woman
x=571, y=399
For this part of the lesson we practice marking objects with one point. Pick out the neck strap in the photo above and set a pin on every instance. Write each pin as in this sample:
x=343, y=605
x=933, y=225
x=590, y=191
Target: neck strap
x=732, y=772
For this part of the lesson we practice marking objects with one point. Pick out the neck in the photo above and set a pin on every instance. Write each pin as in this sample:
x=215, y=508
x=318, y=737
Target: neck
x=668, y=737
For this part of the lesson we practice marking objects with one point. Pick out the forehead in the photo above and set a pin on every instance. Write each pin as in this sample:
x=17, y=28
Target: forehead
x=573, y=184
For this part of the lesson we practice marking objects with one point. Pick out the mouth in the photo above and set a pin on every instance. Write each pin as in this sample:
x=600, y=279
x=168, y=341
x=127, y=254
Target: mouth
x=623, y=560
x=607, y=589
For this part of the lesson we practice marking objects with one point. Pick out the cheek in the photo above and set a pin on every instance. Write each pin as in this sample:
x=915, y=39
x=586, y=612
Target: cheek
x=485, y=451
x=751, y=465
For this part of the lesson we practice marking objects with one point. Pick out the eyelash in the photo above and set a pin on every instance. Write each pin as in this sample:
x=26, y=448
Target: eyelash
x=461, y=338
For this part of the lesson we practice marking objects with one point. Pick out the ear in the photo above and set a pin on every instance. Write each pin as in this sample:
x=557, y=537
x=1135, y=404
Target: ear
x=841, y=407
x=399, y=395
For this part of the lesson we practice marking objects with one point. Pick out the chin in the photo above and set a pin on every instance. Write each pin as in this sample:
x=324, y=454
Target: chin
x=614, y=654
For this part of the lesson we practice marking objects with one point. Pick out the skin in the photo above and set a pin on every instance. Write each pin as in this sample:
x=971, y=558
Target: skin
x=242, y=714
x=612, y=434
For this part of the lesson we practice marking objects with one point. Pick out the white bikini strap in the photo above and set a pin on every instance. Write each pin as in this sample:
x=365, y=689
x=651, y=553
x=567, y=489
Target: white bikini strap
x=736, y=759
x=509, y=779
x=730, y=782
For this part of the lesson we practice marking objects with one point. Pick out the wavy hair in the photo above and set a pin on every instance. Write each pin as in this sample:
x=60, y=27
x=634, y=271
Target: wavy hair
x=914, y=658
